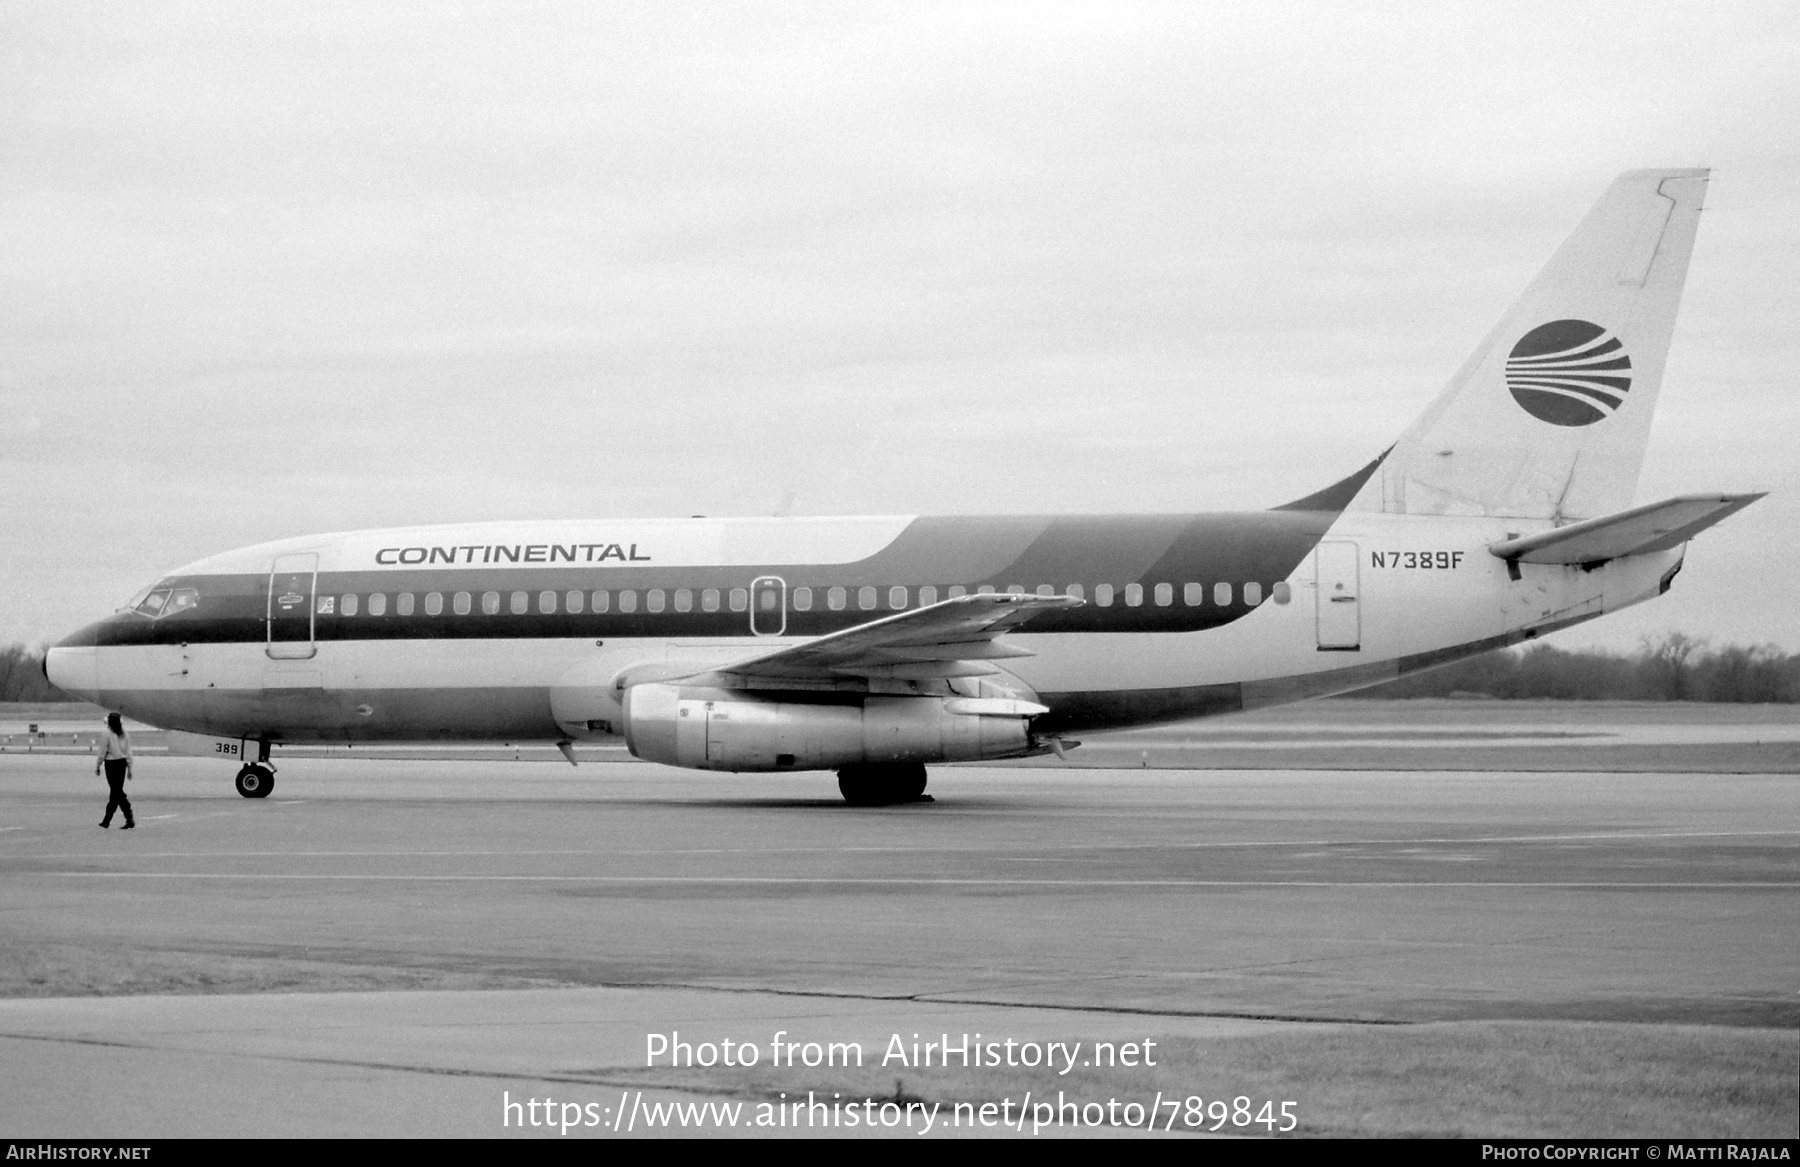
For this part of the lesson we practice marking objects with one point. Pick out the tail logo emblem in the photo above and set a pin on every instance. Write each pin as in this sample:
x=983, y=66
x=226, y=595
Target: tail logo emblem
x=1569, y=372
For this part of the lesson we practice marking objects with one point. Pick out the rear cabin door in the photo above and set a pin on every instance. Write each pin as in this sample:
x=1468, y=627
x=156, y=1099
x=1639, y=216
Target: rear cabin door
x=1340, y=603
x=768, y=606
x=292, y=581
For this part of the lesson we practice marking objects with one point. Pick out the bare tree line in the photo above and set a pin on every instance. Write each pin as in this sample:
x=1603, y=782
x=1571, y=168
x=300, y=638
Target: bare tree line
x=1676, y=667
x=22, y=675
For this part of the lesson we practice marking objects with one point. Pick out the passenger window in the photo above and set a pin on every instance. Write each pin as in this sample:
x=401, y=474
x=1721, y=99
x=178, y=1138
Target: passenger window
x=765, y=599
x=834, y=599
x=1282, y=592
x=377, y=604
x=1134, y=595
x=957, y=591
x=802, y=599
x=655, y=600
x=740, y=599
x=1165, y=595
x=327, y=605
x=1016, y=590
x=684, y=599
x=627, y=600
x=1077, y=591
x=602, y=601
x=1103, y=595
x=1253, y=594
x=709, y=600
x=572, y=601
x=927, y=596
x=896, y=597
x=348, y=605
x=518, y=603
x=1222, y=594
x=546, y=602
x=403, y=604
x=1193, y=595
x=490, y=603
x=434, y=603
x=865, y=597
x=1046, y=590
x=985, y=590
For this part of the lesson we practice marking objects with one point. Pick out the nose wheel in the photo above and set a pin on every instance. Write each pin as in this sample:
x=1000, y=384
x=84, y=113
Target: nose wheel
x=255, y=781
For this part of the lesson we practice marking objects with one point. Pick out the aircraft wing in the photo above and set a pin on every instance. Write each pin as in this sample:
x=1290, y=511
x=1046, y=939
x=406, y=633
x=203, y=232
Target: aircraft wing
x=1639, y=531
x=953, y=638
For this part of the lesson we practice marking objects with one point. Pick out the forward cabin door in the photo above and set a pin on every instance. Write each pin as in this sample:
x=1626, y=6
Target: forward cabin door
x=1335, y=564
x=292, y=581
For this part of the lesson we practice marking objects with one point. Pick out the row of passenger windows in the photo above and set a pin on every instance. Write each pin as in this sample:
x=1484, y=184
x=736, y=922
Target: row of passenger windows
x=866, y=599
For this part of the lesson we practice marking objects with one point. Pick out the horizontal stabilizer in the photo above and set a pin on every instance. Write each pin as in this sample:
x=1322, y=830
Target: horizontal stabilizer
x=1639, y=531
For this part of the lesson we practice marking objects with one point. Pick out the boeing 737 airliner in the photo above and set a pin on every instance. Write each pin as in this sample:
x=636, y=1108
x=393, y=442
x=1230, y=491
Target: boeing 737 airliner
x=874, y=646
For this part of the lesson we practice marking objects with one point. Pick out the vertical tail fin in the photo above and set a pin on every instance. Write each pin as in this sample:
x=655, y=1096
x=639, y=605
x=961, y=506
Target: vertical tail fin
x=1550, y=416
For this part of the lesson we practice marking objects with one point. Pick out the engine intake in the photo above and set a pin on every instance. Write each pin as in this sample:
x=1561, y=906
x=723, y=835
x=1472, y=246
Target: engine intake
x=719, y=729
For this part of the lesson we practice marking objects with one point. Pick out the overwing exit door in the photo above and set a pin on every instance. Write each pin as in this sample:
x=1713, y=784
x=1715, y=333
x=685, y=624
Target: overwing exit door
x=292, y=580
x=768, y=606
x=1335, y=564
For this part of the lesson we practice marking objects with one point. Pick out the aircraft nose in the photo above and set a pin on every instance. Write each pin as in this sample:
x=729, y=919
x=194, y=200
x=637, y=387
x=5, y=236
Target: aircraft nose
x=75, y=671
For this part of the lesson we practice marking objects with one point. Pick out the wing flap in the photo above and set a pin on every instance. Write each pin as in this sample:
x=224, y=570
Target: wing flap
x=960, y=650
x=1639, y=531
x=952, y=638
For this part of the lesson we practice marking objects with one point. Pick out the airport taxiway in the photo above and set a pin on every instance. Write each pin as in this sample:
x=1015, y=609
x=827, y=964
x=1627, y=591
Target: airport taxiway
x=1169, y=898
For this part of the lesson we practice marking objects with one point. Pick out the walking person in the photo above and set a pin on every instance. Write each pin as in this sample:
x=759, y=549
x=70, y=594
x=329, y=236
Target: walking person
x=115, y=757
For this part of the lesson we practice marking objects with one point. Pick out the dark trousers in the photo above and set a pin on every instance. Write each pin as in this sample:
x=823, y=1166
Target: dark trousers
x=115, y=781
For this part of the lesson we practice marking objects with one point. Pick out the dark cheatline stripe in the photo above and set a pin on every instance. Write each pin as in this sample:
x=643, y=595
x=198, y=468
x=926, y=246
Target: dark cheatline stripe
x=1091, y=549
x=1001, y=551
x=1334, y=498
x=935, y=549
x=1033, y=552
x=1239, y=548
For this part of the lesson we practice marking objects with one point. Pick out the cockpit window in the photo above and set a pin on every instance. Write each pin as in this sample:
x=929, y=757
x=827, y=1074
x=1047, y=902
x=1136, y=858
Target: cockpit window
x=137, y=598
x=166, y=602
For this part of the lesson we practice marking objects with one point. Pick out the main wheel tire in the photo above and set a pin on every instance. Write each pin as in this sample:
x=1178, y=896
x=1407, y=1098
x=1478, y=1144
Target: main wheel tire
x=882, y=785
x=255, y=781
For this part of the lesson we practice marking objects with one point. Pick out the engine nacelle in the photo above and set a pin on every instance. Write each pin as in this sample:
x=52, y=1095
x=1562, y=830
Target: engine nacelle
x=720, y=729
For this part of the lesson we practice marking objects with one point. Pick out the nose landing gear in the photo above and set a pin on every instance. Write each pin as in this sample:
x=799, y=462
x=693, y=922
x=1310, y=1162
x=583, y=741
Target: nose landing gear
x=255, y=780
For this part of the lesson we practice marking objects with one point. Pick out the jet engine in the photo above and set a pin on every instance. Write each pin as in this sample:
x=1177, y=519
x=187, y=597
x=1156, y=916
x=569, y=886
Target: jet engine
x=723, y=729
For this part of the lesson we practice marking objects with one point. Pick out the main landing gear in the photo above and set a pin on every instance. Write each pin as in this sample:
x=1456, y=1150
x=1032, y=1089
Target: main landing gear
x=883, y=785
x=255, y=780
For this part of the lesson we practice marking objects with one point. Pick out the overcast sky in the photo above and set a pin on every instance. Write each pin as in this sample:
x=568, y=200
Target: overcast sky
x=275, y=269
